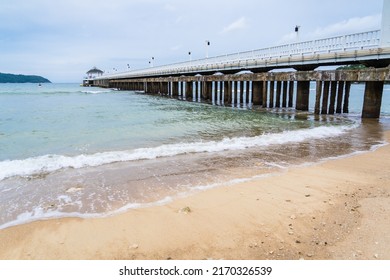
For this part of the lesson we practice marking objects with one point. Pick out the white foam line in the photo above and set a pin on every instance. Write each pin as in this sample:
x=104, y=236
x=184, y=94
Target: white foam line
x=50, y=163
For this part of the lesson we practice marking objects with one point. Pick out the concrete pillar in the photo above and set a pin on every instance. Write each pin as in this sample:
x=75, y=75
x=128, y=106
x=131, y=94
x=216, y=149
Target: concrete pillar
x=238, y=91
x=265, y=94
x=290, y=94
x=303, y=92
x=227, y=92
x=339, y=101
x=194, y=91
x=233, y=93
x=244, y=93
x=199, y=90
x=222, y=101
x=333, y=91
x=284, y=99
x=184, y=89
x=346, y=97
x=207, y=90
x=318, y=97
x=175, y=89
x=218, y=93
x=257, y=93
x=146, y=87
x=278, y=93
x=213, y=90
x=250, y=92
x=163, y=88
x=372, y=100
x=271, y=94
x=325, y=98
x=179, y=91
x=189, y=89
x=154, y=88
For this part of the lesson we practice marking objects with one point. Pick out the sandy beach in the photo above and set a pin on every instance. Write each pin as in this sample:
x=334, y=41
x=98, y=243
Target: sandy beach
x=338, y=209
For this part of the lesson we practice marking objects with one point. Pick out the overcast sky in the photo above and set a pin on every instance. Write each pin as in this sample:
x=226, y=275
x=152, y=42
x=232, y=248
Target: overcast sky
x=61, y=40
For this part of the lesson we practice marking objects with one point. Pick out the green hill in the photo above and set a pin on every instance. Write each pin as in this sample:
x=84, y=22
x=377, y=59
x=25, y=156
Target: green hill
x=11, y=78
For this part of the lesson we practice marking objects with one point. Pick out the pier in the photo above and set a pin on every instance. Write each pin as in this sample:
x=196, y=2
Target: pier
x=257, y=77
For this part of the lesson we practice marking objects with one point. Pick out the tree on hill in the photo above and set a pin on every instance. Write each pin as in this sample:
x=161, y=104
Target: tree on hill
x=11, y=78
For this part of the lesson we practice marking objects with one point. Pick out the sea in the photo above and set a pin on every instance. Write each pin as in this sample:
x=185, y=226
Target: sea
x=71, y=151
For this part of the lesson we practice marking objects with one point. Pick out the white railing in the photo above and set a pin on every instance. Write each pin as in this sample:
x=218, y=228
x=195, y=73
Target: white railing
x=357, y=41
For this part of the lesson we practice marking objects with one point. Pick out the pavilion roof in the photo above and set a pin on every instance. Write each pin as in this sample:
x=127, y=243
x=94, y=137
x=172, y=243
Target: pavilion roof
x=95, y=70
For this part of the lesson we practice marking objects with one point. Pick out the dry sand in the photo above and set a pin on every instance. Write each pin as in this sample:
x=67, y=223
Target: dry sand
x=338, y=209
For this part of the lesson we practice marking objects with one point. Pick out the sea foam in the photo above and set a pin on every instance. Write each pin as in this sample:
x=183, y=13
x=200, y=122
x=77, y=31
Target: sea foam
x=50, y=163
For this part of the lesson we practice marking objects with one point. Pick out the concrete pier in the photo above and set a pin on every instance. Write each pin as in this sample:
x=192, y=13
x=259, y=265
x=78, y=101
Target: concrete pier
x=372, y=99
x=303, y=91
x=269, y=90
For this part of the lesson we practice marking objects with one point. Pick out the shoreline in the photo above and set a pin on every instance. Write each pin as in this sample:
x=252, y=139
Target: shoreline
x=336, y=209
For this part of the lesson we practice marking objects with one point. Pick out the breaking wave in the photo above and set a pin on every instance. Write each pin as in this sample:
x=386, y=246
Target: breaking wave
x=51, y=163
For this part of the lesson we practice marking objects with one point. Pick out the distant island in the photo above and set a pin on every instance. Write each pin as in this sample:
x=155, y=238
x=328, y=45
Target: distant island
x=11, y=78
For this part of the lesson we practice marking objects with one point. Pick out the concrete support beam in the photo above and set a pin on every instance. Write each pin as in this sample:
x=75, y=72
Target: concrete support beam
x=271, y=94
x=146, y=87
x=339, y=101
x=175, y=89
x=278, y=93
x=244, y=92
x=325, y=98
x=257, y=88
x=189, y=88
x=233, y=93
x=318, y=97
x=346, y=97
x=250, y=92
x=238, y=93
x=265, y=94
x=333, y=91
x=284, y=97
x=302, y=99
x=207, y=90
x=372, y=100
x=199, y=90
x=227, y=92
x=290, y=94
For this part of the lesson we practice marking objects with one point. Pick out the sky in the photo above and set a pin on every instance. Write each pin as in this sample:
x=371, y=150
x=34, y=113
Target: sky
x=62, y=39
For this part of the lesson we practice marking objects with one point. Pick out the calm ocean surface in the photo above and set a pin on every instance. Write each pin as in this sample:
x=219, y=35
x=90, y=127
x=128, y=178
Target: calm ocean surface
x=86, y=152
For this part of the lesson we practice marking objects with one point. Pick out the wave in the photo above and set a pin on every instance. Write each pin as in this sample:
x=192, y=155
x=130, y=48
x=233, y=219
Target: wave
x=38, y=213
x=95, y=91
x=50, y=163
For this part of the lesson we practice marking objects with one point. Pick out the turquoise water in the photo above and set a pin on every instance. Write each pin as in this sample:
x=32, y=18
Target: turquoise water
x=69, y=120
x=72, y=151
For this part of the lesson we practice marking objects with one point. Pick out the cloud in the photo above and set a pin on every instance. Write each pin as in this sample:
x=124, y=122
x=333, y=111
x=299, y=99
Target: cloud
x=239, y=24
x=352, y=25
x=63, y=39
x=348, y=26
x=176, y=48
x=169, y=7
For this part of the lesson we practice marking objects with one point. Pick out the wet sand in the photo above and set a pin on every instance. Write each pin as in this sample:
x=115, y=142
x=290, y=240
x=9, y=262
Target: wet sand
x=338, y=209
